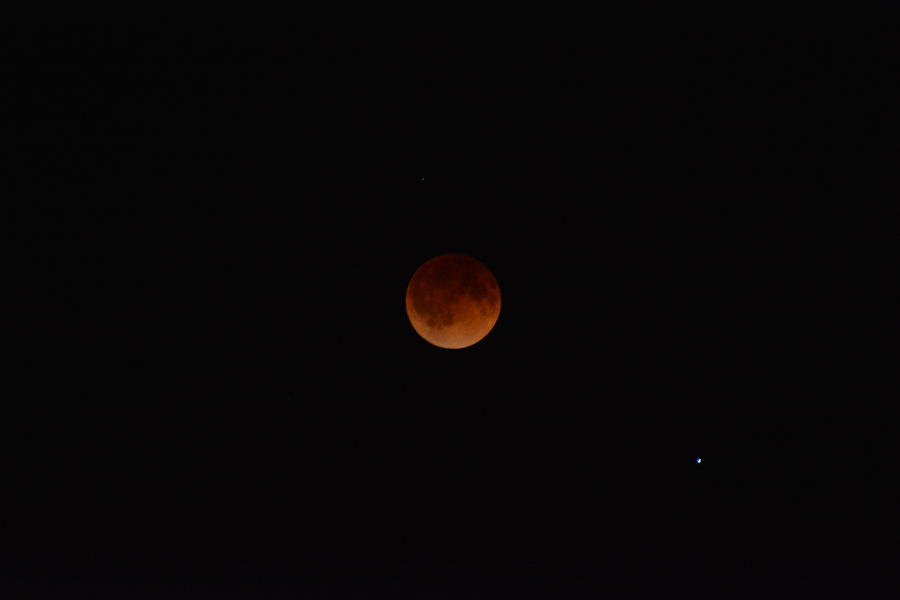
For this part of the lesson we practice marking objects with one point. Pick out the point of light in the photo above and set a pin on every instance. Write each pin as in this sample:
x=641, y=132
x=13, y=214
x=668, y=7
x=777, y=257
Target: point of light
x=698, y=459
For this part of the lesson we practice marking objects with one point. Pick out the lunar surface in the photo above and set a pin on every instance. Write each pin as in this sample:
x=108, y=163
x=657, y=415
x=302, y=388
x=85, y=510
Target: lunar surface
x=453, y=301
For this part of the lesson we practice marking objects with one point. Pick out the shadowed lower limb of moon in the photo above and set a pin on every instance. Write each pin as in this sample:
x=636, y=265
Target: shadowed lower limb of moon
x=453, y=301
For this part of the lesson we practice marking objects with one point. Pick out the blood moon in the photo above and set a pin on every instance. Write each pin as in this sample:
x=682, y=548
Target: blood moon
x=453, y=301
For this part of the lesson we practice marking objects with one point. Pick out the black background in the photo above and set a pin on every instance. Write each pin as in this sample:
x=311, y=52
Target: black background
x=215, y=391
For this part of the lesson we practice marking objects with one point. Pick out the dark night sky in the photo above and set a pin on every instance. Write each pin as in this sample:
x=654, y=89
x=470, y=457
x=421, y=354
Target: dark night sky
x=215, y=391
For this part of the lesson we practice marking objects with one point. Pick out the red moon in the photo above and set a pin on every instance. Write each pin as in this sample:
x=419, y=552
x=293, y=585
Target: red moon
x=453, y=301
